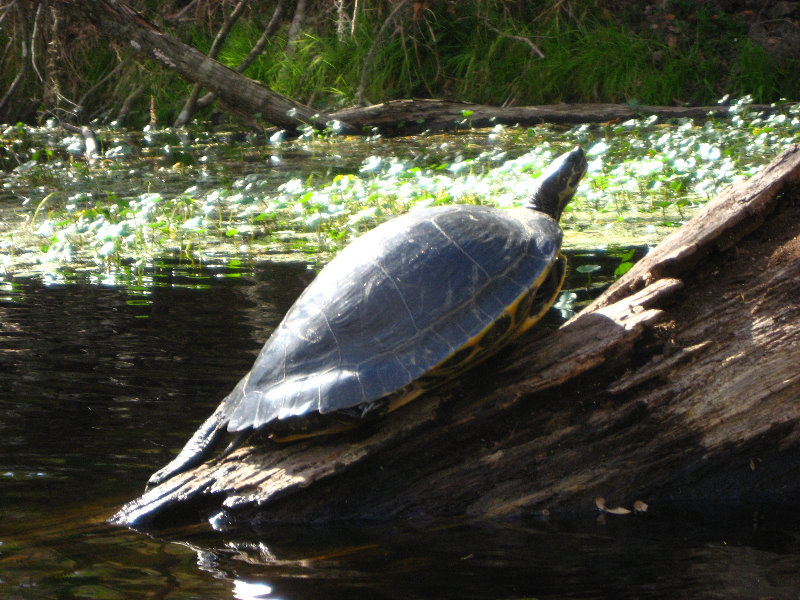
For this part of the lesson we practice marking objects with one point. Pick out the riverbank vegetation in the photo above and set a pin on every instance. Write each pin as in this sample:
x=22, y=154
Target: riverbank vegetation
x=335, y=54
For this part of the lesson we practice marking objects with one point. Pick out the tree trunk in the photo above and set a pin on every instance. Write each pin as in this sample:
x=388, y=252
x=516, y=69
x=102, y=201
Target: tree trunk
x=681, y=382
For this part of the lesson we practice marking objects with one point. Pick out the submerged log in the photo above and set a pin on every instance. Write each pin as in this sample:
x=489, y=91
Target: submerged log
x=681, y=382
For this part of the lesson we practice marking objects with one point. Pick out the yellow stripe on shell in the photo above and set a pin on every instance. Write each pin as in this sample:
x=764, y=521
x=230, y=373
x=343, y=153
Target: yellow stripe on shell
x=440, y=374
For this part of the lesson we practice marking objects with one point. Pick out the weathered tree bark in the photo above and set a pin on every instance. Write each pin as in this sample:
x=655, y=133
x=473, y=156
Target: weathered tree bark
x=682, y=381
x=403, y=117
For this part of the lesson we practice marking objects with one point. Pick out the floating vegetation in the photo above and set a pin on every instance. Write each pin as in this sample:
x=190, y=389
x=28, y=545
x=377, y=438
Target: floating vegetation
x=216, y=196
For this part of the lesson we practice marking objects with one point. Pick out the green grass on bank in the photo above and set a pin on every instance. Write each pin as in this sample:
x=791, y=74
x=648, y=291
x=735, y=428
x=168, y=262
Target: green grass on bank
x=478, y=50
x=492, y=62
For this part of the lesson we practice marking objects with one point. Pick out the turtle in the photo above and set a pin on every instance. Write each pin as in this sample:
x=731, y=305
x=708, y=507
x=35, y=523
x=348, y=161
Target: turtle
x=405, y=307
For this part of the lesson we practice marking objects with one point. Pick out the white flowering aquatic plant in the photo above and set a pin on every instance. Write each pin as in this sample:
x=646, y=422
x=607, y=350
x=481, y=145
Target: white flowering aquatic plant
x=645, y=176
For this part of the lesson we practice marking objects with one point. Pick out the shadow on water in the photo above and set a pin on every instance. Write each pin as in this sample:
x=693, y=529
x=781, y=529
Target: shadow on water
x=100, y=385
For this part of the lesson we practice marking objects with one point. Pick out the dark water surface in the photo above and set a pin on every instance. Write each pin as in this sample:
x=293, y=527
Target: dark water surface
x=99, y=385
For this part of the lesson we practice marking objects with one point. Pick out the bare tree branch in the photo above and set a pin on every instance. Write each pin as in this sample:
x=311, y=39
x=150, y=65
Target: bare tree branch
x=191, y=102
x=7, y=9
x=243, y=96
x=106, y=77
x=519, y=38
x=128, y=104
x=34, y=35
x=255, y=51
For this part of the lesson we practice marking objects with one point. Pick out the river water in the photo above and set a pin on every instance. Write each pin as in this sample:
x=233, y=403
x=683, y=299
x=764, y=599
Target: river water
x=101, y=384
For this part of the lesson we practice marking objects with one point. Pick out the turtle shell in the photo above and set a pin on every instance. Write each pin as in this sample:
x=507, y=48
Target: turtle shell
x=403, y=308
x=417, y=299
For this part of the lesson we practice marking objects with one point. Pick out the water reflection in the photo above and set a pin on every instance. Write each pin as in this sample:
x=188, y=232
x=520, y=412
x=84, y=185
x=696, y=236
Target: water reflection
x=671, y=555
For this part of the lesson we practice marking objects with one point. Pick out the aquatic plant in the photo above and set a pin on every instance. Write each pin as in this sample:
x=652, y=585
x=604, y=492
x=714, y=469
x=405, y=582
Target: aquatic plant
x=315, y=194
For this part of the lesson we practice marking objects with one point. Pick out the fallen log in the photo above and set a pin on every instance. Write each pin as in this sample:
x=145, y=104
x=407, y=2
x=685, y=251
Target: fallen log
x=404, y=117
x=681, y=382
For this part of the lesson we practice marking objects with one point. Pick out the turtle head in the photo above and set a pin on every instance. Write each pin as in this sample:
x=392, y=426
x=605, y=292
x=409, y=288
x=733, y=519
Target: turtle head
x=557, y=185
